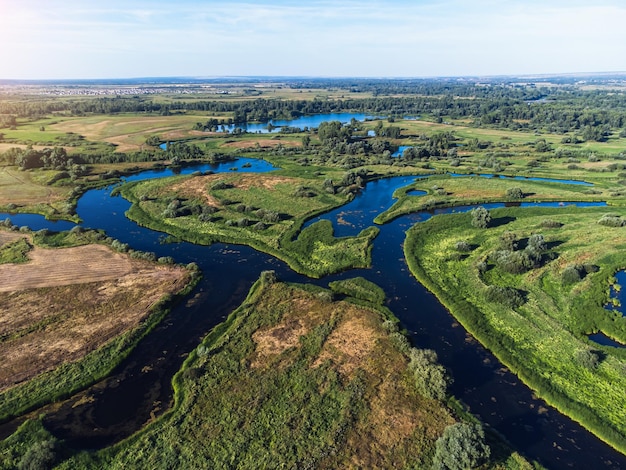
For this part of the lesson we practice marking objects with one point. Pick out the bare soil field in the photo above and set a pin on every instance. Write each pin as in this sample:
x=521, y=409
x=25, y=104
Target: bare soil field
x=68, y=302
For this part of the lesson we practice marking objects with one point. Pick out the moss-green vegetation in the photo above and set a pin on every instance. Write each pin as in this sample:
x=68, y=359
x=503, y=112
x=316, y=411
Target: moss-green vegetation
x=293, y=379
x=15, y=251
x=359, y=288
x=265, y=212
x=511, y=289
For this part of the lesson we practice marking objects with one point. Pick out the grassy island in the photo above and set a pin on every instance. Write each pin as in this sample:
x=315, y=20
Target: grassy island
x=262, y=211
x=531, y=287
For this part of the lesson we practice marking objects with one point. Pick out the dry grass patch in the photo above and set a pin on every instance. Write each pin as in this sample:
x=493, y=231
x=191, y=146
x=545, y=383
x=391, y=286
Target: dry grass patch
x=18, y=187
x=351, y=343
x=68, y=302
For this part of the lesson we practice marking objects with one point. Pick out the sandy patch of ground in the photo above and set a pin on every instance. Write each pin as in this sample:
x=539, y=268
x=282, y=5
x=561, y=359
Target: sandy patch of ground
x=8, y=237
x=62, y=267
x=68, y=302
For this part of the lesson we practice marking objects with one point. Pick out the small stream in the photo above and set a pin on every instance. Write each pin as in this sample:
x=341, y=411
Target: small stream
x=140, y=387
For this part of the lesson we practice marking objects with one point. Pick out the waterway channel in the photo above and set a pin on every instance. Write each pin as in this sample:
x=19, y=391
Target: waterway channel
x=140, y=388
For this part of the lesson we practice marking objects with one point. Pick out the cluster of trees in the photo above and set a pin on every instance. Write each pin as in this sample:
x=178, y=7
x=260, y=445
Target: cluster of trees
x=511, y=258
x=51, y=158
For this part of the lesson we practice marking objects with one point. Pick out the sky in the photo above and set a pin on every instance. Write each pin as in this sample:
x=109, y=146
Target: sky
x=74, y=39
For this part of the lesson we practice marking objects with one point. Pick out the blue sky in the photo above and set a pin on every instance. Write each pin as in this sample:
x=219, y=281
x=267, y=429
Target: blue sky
x=41, y=39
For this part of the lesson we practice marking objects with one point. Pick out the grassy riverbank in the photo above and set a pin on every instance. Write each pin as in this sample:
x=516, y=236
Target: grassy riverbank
x=536, y=319
x=265, y=212
x=296, y=379
x=447, y=191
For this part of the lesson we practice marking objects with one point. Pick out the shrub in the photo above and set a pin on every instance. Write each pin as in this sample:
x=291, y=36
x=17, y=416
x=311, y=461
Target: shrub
x=461, y=446
x=514, y=262
x=220, y=185
x=40, y=456
x=481, y=218
x=549, y=223
x=507, y=296
x=588, y=359
x=570, y=275
x=431, y=377
x=463, y=246
x=514, y=193
x=612, y=220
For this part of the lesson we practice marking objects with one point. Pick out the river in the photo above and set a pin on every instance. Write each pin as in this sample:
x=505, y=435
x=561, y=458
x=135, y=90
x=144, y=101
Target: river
x=141, y=386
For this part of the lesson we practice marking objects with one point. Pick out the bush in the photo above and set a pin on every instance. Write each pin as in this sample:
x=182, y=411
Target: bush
x=588, y=359
x=462, y=446
x=507, y=296
x=577, y=272
x=40, y=456
x=463, y=246
x=514, y=193
x=612, y=220
x=549, y=223
x=570, y=275
x=481, y=218
x=431, y=377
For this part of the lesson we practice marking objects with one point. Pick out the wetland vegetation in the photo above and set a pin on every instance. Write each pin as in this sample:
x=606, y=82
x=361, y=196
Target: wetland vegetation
x=530, y=283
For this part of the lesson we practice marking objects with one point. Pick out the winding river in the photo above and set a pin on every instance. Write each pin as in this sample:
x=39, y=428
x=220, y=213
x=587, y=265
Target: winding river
x=140, y=388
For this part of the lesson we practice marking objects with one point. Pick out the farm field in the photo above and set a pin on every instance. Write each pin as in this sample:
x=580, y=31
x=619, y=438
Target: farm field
x=61, y=305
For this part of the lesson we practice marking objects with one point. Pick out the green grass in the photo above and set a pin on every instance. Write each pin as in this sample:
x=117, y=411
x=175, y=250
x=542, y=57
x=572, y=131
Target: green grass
x=308, y=402
x=313, y=251
x=542, y=340
x=15, y=252
x=446, y=191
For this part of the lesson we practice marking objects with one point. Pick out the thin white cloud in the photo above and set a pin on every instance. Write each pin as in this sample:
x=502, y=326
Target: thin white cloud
x=410, y=38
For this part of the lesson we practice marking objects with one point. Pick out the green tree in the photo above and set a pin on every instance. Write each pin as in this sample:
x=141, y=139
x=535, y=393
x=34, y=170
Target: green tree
x=462, y=446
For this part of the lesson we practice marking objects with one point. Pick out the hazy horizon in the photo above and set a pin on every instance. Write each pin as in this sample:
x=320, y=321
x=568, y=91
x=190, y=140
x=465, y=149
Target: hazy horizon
x=85, y=40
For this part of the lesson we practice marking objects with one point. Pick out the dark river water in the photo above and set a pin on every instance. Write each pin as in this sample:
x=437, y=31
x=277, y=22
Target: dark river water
x=141, y=386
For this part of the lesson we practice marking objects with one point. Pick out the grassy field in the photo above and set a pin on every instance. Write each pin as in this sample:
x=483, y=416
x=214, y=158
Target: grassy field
x=446, y=191
x=263, y=211
x=28, y=191
x=71, y=313
x=294, y=379
x=537, y=320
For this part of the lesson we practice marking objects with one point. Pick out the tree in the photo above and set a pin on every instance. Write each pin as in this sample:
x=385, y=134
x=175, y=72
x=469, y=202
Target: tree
x=461, y=447
x=431, y=378
x=306, y=141
x=481, y=218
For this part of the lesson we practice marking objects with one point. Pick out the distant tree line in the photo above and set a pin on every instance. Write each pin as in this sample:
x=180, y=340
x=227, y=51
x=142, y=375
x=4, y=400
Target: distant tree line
x=591, y=114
